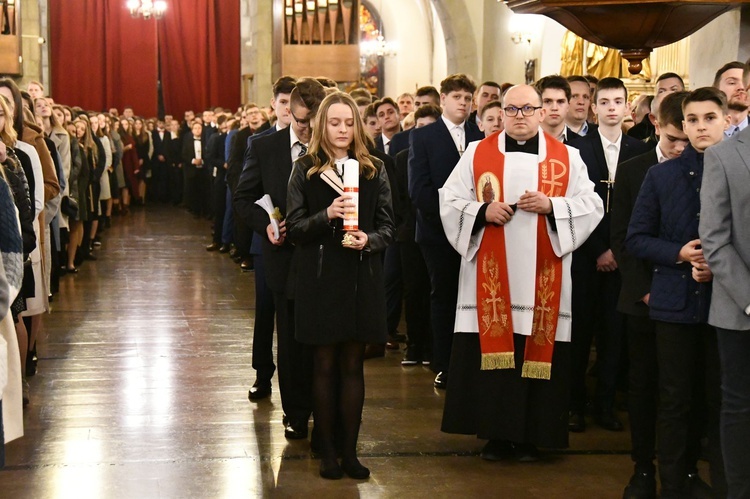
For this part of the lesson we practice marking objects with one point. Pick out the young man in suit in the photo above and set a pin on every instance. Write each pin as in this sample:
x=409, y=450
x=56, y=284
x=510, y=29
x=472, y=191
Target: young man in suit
x=725, y=233
x=434, y=152
x=159, y=163
x=193, y=152
x=487, y=92
x=388, y=118
x=596, y=280
x=664, y=230
x=556, y=96
x=580, y=104
x=267, y=172
x=732, y=79
x=217, y=168
x=400, y=141
x=634, y=294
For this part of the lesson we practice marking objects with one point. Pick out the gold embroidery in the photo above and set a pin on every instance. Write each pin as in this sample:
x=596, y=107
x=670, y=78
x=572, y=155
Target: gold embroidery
x=494, y=315
x=543, y=328
x=554, y=185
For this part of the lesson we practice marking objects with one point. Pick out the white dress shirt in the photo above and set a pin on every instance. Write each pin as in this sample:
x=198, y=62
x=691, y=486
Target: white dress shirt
x=611, y=153
x=386, y=143
x=457, y=132
x=296, y=144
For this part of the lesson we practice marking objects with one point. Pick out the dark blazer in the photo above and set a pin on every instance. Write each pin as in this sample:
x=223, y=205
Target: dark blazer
x=390, y=168
x=173, y=149
x=214, y=154
x=636, y=273
x=665, y=218
x=237, y=152
x=399, y=142
x=405, y=214
x=432, y=157
x=160, y=145
x=267, y=171
x=592, y=153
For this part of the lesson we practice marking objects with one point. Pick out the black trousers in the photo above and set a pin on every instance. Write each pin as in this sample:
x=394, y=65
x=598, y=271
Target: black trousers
x=174, y=184
x=734, y=350
x=295, y=364
x=643, y=393
x=243, y=235
x=443, y=264
x=219, y=200
x=393, y=286
x=264, y=322
x=594, y=304
x=689, y=402
x=416, y=298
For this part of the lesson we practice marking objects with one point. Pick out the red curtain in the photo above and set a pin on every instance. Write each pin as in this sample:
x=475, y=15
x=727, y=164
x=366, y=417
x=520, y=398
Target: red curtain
x=101, y=57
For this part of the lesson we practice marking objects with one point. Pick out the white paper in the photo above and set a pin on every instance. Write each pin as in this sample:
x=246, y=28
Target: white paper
x=266, y=203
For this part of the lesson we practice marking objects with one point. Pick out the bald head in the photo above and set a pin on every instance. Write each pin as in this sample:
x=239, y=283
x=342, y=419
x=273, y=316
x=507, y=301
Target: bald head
x=522, y=108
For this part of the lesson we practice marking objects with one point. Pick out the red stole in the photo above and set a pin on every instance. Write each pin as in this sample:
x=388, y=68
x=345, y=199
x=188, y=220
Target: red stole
x=493, y=292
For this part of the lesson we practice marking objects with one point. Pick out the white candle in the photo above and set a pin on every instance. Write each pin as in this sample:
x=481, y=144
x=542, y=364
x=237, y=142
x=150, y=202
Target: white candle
x=351, y=189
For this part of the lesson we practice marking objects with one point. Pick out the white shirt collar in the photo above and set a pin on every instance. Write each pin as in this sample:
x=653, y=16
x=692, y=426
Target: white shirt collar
x=606, y=143
x=386, y=140
x=450, y=125
x=660, y=157
x=293, y=137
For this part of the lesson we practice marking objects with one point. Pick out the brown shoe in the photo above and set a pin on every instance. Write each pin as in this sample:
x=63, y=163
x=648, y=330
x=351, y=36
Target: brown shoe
x=246, y=265
x=213, y=247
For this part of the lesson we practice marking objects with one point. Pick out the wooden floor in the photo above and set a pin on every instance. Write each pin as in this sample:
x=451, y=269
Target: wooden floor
x=142, y=393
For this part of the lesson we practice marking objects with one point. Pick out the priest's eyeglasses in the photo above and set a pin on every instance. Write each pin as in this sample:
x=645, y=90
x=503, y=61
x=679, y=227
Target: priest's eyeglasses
x=512, y=111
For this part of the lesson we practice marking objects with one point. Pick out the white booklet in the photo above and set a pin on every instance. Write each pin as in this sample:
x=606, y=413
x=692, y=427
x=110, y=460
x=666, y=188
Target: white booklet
x=273, y=213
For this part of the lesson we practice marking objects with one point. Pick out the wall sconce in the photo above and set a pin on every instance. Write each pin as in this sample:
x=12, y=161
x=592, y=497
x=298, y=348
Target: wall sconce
x=522, y=27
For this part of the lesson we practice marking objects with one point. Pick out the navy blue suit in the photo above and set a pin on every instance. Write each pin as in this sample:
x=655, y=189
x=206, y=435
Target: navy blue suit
x=595, y=294
x=399, y=142
x=432, y=157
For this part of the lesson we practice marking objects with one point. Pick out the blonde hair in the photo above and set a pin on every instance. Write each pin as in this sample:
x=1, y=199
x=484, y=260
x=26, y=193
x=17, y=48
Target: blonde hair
x=8, y=134
x=87, y=142
x=320, y=142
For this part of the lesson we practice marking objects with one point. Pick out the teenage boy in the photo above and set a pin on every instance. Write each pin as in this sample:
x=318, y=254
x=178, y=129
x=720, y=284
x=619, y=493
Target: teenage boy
x=596, y=280
x=634, y=294
x=491, y=118
x=664, y=231
x=556, y=96
x=434, y=152
x=389, y=120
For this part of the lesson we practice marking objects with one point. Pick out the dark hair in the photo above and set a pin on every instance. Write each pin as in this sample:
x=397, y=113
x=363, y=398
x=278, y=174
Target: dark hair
x=610, y=83
x=505, y=86
x=284, y=85
x=706, y=94
x=554, y=82
x=577, y=78
x=362, y=93
x=327, y=82
x=670, y=110
x=731, y=65
x=489, y=84
x=668, y=76
x=221, y=119
x=429, y=91
x=592, y=79
x=369, y=112
x=308, y=93
x=458, y=81
x=491, y=105
x=383, y=102
x=362, y=101
x=428, y=111
x=17, y=103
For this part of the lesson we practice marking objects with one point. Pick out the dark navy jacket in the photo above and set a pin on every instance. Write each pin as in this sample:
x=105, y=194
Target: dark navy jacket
x=664, y=219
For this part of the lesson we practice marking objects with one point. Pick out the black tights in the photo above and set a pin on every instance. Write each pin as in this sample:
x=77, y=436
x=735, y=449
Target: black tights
x=338, y=380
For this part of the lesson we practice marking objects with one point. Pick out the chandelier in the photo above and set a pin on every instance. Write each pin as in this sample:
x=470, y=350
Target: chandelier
x=147, y=8
x=378, y=47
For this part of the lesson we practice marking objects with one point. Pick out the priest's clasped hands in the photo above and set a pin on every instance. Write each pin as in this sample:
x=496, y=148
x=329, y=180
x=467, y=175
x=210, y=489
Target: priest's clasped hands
x=533, y=202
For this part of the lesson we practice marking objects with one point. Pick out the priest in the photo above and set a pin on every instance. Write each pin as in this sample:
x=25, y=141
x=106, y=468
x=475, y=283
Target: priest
x=515, y=207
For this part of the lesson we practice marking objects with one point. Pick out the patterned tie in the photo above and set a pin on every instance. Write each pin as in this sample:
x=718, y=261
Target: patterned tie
x=303, y=149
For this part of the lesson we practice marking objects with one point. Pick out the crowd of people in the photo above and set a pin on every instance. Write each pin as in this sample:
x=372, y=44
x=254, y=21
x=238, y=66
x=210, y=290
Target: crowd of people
x=513, y=226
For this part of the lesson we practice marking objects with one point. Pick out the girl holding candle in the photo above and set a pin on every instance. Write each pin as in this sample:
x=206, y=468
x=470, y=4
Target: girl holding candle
x=339, y=293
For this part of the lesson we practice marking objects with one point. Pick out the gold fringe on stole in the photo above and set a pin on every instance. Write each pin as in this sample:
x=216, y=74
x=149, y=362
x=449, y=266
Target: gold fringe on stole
x=536, y=370
x=499, y=360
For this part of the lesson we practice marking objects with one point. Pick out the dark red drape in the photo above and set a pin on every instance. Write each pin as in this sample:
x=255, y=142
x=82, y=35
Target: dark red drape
x=101, y=57
x=200, y=55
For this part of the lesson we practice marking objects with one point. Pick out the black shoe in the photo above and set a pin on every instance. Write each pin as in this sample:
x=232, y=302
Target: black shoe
x=31, y=361
x=237, y=258
x=330, y=469
x=412, y=357
x=526, y=453
x=295, y=431
x=233, y=251
x=246, y=265
x=441, y=380
x=354, y=469
x=497, y=450
x=698, y=489
x=224, y=248
x=576, y=422
x=641, y=486
x=259, y=390
x=609, y=421
x=213, y=247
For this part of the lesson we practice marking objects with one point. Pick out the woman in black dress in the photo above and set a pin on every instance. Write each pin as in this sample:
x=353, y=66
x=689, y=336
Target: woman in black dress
x=339, y=291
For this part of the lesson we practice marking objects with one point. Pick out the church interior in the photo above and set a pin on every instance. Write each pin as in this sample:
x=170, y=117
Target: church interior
x=145, y=356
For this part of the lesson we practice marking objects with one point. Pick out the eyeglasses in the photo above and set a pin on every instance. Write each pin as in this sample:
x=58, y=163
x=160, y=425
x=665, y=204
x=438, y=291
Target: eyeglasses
x=304, y=122
x=512, y=111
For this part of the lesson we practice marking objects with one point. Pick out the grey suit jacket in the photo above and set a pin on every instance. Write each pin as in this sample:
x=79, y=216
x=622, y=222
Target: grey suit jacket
x=725, y=230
